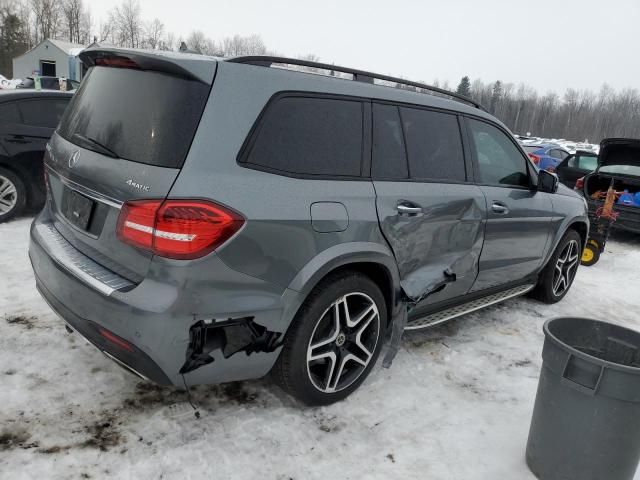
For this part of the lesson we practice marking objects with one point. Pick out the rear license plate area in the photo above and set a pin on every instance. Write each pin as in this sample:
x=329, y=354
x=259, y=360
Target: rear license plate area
x=77, y=208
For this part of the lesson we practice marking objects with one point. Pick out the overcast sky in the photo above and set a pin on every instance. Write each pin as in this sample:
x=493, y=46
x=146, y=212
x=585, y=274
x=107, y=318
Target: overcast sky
x=550, y=45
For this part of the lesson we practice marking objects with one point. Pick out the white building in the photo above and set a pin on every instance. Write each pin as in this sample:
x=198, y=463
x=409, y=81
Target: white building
x=55, y=58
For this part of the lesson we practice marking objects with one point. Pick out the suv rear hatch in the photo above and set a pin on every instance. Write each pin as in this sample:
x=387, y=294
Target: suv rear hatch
x=124, y=136
x=618, y=163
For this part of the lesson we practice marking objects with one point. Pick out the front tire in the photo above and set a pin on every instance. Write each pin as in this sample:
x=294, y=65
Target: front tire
x=13, y=195
x=557, y=277
x=333, y=341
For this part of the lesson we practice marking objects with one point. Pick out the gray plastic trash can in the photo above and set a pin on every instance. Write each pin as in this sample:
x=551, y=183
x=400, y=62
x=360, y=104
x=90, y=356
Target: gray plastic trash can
x=586, y=418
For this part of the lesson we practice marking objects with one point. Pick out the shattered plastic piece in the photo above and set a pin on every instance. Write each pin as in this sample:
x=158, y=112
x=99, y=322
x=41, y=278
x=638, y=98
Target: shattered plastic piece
x=401, y=322
x=178, y=411
x=396, y=336
x=231, y=336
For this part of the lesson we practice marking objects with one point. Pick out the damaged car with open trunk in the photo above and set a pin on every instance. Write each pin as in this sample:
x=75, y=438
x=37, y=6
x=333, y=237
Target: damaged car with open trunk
x=618, y=169
x=213, y=220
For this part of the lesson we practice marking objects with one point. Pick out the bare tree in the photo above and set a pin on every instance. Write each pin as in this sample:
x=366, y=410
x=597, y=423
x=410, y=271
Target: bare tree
x=72, y=11
x=239, y=45
x=197, y=41
x=106, y=30
x=155, y=33
x=13, y=37
x=46, y=15
x=168, y=42
x=126, y=21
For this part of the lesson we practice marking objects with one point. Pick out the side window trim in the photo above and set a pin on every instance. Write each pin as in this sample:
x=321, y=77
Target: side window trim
x=404, y=143
x=365, y=150
x=467, y=150
x=367, y=140
x=475, y=158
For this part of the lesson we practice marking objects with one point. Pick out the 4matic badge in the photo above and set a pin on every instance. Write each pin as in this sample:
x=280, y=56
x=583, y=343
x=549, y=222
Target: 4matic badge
x=137, y=186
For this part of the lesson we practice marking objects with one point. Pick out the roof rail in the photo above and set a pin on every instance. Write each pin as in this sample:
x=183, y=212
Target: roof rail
x=358, y=75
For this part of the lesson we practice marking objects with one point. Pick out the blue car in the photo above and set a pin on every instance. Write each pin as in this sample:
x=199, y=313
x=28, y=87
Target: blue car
x=546, y=156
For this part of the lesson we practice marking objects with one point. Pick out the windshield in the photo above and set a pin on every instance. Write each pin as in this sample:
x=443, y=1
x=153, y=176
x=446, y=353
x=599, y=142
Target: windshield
x=143, y=116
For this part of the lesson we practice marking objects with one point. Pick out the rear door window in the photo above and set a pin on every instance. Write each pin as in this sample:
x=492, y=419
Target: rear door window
x=500, y=162
x=434, y=145
x=555, y=153
x=389, y=160
x=9, y=113
x=585, y=162
x=45, y=112
x=309, y=136
x=144, y=116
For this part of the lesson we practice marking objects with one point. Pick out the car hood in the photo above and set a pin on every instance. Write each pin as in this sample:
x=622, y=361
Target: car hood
x=619, y=151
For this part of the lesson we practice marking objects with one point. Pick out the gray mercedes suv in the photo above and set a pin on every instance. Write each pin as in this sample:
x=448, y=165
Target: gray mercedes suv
x=212, y=220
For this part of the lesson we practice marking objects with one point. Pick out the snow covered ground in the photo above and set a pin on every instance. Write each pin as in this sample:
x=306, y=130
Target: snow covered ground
x=456, y=403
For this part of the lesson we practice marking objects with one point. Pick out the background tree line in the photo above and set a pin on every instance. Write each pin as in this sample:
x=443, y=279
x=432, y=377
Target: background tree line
x=25, y=23
x=577, y=115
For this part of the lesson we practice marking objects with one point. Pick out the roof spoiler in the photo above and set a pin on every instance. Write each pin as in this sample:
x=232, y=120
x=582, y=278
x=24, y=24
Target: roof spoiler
x=192, y=67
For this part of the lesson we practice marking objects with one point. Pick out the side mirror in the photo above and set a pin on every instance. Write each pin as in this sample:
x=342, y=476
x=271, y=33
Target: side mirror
x=547, y=182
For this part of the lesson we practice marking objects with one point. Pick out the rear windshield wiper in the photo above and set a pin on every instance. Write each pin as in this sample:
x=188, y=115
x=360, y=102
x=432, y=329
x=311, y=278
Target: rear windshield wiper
x=95, y=145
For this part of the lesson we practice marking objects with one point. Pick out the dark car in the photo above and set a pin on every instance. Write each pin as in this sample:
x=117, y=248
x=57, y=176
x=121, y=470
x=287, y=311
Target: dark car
x=213, y=220
x=546, y=156
x=28, y=118
x=576, y=166
x=48, y=83
x=618, y=166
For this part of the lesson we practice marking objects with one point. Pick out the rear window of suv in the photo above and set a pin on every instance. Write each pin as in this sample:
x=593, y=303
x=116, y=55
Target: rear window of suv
x=143, y=116
x=309, y=136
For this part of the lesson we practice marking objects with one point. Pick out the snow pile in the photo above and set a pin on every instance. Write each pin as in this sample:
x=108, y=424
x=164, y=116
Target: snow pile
x=456, y=403
x=569, y=145
x=7, y=84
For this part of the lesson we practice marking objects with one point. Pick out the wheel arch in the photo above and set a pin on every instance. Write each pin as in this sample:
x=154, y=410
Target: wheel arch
x=577, y=224
x=370, y=259
x=580, y=226
x=28, y=167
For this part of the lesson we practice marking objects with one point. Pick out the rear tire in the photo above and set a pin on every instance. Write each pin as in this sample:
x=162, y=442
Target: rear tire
x=13, y=195
x=333, y=341
x=558, y=275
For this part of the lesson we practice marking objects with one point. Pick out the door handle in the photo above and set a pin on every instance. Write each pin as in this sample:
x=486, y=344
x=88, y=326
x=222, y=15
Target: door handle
x=499, y=208
x=408, y=209
x=17, y=139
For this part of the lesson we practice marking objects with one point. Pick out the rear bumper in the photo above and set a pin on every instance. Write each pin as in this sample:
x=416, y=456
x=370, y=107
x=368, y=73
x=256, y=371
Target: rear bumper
x=155, y=316
x=133, y=359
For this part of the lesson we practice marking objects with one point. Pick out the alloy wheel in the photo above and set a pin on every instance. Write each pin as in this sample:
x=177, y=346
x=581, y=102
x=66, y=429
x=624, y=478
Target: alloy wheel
x=566, y=267
x=8, y=195
x=343, y=342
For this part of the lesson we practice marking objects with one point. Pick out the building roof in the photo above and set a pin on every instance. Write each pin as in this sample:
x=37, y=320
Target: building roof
x=67, y=47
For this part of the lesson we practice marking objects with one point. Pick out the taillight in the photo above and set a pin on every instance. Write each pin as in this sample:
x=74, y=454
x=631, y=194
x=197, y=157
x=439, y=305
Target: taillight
x=534, y=158
x=115, y=61
x=579, y=184
x=181, y=229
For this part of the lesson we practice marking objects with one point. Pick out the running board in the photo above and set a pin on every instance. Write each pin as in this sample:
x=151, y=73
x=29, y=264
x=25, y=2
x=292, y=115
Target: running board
x=472, y=306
